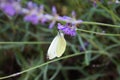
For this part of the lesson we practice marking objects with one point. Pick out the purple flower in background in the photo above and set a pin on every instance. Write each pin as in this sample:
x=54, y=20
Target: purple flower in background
x=61, y=27
x=54, y=11
x=43, y=20
x=8, y=9
x=41, y=8
x=32, y=12
x=32, y=18
x=31, y=8
x=41, y=15
x=17, y=7
x=31, y=5
x=52, y=24
x=73, y=14
x=65, y=18
x=67, y=29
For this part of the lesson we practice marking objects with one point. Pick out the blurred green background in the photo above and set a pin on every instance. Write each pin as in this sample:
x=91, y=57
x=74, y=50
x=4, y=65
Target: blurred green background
x=104, y=64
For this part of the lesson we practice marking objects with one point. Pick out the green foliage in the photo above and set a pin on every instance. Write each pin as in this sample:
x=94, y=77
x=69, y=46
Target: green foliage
x=98, y=61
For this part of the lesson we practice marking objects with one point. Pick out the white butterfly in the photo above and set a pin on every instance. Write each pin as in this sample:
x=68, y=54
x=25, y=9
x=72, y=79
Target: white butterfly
x=57, y=47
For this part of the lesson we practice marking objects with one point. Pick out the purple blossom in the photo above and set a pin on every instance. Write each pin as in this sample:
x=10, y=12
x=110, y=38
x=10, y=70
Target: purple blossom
x=73, y=14
x=32, y=18
x=67, y=29
x=31, y=13
x=41, y=8
x=35, y=14
x=52, y=24
x=17, y=7
x=8, y=9
x=31, y=5
x=54, y=11
x=80, y=21
x=65, y=18
x=32, y=8
x=43, y=20
x=61, y=27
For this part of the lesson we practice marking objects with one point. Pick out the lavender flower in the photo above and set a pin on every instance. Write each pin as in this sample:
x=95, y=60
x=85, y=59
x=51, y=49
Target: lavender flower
x=9, y=10
x=67, y=29
x=73, y=14
x=52, y=24
x=43, y=20
x=65, y=18
x=43, y=17
x=10, y=7
x=31, y=5
x=32, y=18
x=54, y=11
x=33, y=13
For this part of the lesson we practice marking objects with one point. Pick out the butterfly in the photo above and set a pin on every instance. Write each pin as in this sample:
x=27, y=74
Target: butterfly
x=57, y=46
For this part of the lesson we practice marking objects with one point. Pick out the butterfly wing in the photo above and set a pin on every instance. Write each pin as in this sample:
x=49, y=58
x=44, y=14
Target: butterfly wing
x=52, y=49
x=57, y=47
x=61, y=45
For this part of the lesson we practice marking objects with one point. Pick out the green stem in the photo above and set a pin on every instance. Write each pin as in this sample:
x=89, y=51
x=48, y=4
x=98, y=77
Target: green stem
x=102, y=24
x=46, y=63
x=24, y=42
x=98, y=33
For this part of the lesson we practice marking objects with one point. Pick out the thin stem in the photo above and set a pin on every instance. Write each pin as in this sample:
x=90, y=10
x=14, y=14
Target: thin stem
x=98, y=33
x=46, y=63
x=102, y=24
x=24, y=42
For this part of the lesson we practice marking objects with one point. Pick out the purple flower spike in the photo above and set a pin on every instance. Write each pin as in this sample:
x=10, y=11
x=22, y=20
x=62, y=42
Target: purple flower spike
x=9, y=10
x=67, y=18
x=41, y=8
x=31, y=5
x=79, y=21
x=70, y=31
x=54, y=11
x=43, y=20
x=73, y=32
x=67, y=29
x=60, y=27
x=73, y=14
x=52, y=24
x=32, y=18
